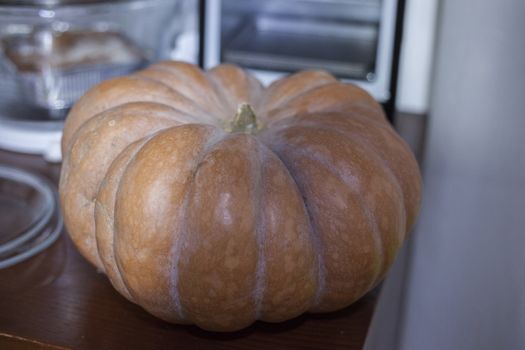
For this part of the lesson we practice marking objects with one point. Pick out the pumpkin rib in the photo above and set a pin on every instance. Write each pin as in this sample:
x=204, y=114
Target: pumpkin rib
x=177, y=247
x=376, y=236
x=203, y=76
x=120, y=269
x=386, y=168
x=170, y=69
x=216, y=99
x=306, y=119
x=309, y=120
x=102, y=153
x=371, y=112
x=117, y=168
x=174, y=313
x=294, y=153
x=293, y=291
x=256, y=91
x=144, y=74
x=274, y=97
x=149, y=104
x=113, y=93
x=334, y=97
x=228, y=79
x=212, y=319
x=211, y=142
x=308, y=90
x=314, y=235
x=343, y=126
x=77, y=116
x=218, y=89
x=382, y=153
x=355, y=136
x=172, y=75
x=202, y=115
x=125, y=105
x=260, y=269
x=116, y=113
x=394, y=180
x=118, y=108
x=318, y=246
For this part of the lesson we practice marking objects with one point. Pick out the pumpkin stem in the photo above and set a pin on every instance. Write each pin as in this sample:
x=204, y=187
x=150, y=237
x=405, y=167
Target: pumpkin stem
x=244, y=120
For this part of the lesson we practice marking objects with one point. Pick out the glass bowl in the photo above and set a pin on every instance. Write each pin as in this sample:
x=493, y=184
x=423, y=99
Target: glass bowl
x=29, y=217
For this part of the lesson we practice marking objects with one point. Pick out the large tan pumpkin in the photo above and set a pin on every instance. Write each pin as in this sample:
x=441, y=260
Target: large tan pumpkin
x=210, y=200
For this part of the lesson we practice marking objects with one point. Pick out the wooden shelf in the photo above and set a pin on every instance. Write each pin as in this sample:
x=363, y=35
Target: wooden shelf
x=58, y=300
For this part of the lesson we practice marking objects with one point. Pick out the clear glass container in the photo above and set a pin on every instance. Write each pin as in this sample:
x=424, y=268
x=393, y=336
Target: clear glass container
x=30, y=220
x=52, y=51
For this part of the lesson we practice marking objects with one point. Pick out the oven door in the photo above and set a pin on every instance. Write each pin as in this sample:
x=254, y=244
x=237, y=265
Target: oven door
x=352, y=39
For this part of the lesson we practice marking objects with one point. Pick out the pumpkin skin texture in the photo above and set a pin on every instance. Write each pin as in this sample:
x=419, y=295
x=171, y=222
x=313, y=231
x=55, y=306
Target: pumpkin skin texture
x=300, y=204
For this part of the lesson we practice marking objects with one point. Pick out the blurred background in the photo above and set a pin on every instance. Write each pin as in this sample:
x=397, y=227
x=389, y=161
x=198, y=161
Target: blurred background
x=52, y=51
x=449, y=73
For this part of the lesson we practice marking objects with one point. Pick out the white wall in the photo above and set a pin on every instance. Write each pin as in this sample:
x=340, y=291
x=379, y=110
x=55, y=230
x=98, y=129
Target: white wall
x=416, y=56
x=466, y=288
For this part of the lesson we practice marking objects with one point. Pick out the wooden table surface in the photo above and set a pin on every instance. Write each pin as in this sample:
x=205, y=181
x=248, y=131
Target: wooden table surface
x=58, y=300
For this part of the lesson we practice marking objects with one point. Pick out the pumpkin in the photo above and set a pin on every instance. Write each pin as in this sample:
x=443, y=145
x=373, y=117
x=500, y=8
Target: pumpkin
x=208, y=199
